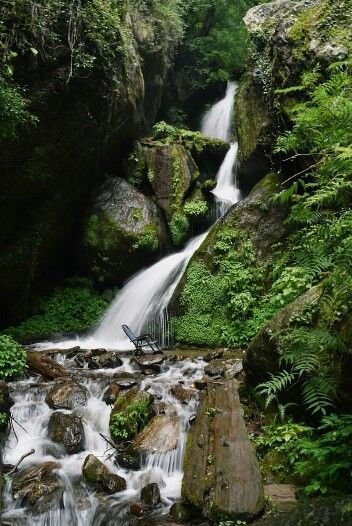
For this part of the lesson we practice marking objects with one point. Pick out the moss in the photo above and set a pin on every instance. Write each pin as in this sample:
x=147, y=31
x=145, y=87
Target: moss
x=250, y=118
x=148, y=239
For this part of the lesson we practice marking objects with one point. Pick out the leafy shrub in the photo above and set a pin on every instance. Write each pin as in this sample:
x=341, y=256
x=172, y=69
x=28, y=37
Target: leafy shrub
x=179, y=226
x=75, y=307
x=13, y=359
x=125, y=425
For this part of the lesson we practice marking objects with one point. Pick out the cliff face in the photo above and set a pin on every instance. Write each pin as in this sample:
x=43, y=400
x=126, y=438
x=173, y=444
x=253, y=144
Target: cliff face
x=93, y=73
x=287, y=38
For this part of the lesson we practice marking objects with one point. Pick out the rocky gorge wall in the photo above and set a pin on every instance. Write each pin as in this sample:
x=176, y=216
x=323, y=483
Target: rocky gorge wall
x=93, y=75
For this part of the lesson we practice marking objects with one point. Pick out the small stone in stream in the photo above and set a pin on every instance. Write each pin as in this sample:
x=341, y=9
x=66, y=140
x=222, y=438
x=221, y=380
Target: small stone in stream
x=215, y=368
x=66, y=394
x=111, y=393
x=201, y=384
x=126, y=383
x=136, y=509
x=233, y=368
x=182, y=513
x=183, y=395
x=100, y=477
x=150, y=495
x=149, y=361
x=67, y=430
x=38, y=486
x=128, y=460
x=192, y=419
x=104, y=360
x=5, y=400
x=215, y=355
x=159, y=408
x=150, y=371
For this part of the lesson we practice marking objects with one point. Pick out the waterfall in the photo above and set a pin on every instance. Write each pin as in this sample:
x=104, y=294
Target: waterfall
x=142, y=304
x=217, y=122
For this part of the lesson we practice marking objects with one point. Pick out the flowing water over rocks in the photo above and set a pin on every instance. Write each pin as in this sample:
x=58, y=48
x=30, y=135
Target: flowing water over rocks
x=66, y=420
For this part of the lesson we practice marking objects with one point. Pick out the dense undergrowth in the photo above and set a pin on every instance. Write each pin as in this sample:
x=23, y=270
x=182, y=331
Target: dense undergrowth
x=74, y=307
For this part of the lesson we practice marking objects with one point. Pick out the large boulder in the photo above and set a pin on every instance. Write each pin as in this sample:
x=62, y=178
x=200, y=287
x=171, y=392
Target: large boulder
x=92, y=98
x=150, y=495
x=159, y=436
x=262, y=356
x=67, y=430
x=123, y=232
x=66, y=394
x=38, y=487
x=100, y=477
x=221, y=473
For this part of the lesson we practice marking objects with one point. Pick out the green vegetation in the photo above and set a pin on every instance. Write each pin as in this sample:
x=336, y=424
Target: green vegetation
x=179, y=226
x=13, y=360
x=125, y=425
x=75, y=307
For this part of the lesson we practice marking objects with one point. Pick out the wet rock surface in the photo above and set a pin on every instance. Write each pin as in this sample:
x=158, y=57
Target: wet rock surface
x=149, y=361
x=100, y=477
x=66, y=394
x=5, y=399
x=38, y=362
x=38, y=486
x=150, y=495
x=221, y=473
x=67, y=430
x=111, y=394
x=182, y=394
x=160, y=435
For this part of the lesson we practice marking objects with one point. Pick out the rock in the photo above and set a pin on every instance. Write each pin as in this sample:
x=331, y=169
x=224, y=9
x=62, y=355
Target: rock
x=150, y=361
x=215, y=368
x=283, y=496
x=128, y=459
x=182, y=394
x=324, y=511
x=92, y=121
x=137, y=509
x=38, y=487
x=104, y=360
x=262, y=355
x=39, y=363
x=124, y=232
x=221, y=473
x=111, y=394
x=182, y=513
x=134, y=410
x=126, y=383
x=150, y=495
x=170, y=163
x=215, y=355
x=233, y=368
x=67, y=430
x=160, y=435
x=201, y=384
x=100, y=477
x=66, y=394
x=5, y=400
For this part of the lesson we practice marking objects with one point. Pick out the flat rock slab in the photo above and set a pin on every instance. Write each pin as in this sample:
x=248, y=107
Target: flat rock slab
x=149, y=361
x=221, y=472
x=283, y=495
x=160, y=435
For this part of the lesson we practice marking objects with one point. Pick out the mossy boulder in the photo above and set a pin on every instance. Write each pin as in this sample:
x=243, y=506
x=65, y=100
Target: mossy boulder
x=66, y=394
x=262, y=356
x=130, y=414
x=123, y=232
x=100, y=477
x=243, y=238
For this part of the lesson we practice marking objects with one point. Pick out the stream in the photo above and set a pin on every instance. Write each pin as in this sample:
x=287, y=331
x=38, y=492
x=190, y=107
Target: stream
x=141, y=304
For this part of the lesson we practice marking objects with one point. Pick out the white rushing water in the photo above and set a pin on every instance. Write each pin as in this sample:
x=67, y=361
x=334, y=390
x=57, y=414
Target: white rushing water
x=217, y=122
x=143, y=302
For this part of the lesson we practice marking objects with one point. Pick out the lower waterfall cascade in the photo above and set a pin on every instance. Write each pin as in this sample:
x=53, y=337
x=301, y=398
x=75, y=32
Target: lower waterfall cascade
x=142, y=301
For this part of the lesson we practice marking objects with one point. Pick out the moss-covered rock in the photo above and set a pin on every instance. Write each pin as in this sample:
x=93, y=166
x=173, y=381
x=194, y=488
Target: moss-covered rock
x=262, y=357
x=228, y=270
x=123, y=232
x=131, y=412
x=94, y=77
x=100, y=477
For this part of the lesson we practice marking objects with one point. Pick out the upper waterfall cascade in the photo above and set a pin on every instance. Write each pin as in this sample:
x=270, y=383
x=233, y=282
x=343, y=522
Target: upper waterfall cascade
x=143, y=302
